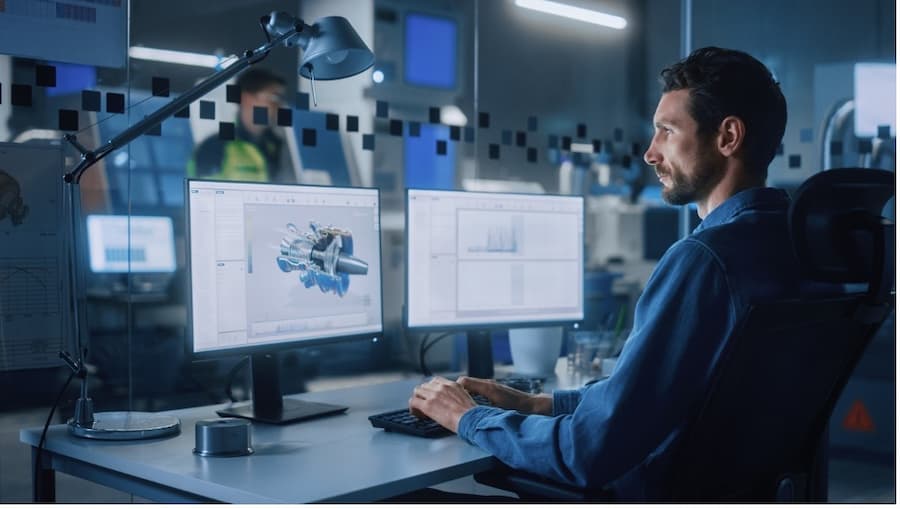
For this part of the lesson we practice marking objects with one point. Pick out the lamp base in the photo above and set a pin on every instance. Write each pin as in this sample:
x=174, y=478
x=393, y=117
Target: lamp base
x=127, y=426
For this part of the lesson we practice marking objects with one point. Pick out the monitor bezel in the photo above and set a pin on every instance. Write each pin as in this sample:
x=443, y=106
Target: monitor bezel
x=491, y=326
x=375, y=336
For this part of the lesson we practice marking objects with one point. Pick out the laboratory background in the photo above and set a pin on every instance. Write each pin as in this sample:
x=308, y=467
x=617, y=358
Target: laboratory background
x=469, y=96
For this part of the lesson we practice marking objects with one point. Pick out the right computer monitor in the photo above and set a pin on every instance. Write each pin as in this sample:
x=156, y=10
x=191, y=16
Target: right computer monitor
x=481, y=261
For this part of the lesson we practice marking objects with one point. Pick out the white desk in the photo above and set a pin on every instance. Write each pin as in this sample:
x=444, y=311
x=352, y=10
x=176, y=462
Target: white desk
x=338, y=458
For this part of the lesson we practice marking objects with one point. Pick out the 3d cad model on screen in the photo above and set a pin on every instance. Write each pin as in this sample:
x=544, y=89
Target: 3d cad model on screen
x=323, y=256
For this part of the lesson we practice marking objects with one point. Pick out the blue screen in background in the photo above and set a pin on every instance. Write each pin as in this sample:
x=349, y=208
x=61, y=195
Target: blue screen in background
x=430, y=51
x=424, y=168
x=72, y=78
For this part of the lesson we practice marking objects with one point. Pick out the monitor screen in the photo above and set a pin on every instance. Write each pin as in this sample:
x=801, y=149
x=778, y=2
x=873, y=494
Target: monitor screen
x=483, y=260
x=430, y=51
x=278, y=264
x=136, y=244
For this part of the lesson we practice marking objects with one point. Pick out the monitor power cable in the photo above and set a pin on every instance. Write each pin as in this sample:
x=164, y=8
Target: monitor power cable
x=40, y=446
x=423, y=349
x=232, y=374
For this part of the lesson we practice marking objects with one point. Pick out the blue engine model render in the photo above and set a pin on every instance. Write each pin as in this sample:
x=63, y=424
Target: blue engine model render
x=11, y=202
x=323, y=255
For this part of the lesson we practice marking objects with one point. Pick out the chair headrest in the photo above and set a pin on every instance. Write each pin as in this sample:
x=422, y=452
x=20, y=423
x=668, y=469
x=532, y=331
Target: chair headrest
x=837, y=228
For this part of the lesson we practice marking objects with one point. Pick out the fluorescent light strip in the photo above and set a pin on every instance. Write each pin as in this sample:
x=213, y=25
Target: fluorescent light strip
x=576, y=13
x=173, y=57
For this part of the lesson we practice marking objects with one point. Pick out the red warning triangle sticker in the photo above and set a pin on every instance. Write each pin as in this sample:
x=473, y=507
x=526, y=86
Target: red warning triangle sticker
x=858, y=418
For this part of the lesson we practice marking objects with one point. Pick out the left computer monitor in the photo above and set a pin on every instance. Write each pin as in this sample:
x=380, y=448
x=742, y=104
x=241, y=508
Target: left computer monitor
x=278, y=266
x=137, y=244
x=130, y=254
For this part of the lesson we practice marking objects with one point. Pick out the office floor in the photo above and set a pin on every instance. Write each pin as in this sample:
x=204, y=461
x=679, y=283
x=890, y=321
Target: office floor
x=849, y=481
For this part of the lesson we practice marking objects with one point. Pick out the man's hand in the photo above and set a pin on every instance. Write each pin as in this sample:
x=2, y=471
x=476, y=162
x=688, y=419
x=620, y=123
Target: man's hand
x=506, y=397
x=442, y=400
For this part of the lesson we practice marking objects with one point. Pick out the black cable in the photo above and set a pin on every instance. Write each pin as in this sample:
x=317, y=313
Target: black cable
x=423, y=349
x=422, y=365
x=40, y=446
x=229, y=379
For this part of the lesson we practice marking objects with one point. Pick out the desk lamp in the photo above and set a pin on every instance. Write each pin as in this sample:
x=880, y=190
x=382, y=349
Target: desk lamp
x=332, y=50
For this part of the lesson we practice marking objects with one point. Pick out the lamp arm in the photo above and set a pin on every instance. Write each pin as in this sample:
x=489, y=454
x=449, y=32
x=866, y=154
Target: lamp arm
x=250, y=57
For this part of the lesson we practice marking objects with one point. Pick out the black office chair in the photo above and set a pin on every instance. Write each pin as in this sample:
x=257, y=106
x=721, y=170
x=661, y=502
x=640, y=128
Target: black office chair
x=727, y=452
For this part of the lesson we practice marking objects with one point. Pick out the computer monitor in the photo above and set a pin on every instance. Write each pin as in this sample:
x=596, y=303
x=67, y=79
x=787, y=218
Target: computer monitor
x=279, y=266
x=480, y=261
x=119, y=245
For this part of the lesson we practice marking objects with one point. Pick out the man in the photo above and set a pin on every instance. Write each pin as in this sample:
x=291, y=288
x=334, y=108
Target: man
x=716, y=128
x=256, y=153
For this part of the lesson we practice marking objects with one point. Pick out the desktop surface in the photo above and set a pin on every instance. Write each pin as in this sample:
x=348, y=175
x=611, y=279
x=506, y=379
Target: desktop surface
x=330, y=459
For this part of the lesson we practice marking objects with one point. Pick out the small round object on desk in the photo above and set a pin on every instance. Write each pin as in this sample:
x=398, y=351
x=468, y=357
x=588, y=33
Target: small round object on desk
x=223, y=437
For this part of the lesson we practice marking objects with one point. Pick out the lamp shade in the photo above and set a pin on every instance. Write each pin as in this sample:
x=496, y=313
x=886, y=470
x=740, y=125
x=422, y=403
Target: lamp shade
x=334, y=51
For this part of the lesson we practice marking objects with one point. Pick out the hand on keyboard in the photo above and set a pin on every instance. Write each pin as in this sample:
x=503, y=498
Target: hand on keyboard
x=402, y=421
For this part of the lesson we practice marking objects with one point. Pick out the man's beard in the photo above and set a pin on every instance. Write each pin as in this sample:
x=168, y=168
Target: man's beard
x=692, y=188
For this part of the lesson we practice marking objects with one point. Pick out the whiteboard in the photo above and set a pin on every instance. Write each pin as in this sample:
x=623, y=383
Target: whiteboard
x=33, y=268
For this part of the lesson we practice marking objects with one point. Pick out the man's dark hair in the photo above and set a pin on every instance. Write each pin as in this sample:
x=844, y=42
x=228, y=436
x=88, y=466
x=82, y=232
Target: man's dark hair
x=255, y=79
x=724, y=82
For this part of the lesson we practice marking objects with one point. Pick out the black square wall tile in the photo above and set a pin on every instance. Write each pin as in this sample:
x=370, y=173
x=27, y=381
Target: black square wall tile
x=115, y=102
x=260, y=115
x=226, y=131
x=90, y=100
x=521, y=140
x=484, y=120
x=233, y=94
x=21, y=95
x=332, y=122
x=352, y=123
x=45, y=75
x=208, y=110
x=68, y=120
x=160, y=87
x=396, y=127
x=285, y=117
x=368, y=142
x=309, y=137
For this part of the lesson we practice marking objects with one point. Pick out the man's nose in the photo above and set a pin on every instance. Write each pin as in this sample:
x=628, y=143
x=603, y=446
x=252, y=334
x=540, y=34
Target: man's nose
x=651, y=156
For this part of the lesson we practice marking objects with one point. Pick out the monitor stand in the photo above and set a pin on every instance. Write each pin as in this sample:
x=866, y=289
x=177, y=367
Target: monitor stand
x=480, y=354
x=267, y=405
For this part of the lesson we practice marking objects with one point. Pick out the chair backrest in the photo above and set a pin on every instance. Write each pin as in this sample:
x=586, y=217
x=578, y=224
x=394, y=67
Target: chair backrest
x=782, y=371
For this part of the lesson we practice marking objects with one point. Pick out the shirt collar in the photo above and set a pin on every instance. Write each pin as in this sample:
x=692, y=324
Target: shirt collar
x=757, y=198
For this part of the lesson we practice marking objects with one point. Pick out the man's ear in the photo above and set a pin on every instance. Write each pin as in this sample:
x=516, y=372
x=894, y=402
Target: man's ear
x=731, y=135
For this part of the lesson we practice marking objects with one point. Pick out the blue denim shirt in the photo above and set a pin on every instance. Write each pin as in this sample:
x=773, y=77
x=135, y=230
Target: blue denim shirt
x=619, y=433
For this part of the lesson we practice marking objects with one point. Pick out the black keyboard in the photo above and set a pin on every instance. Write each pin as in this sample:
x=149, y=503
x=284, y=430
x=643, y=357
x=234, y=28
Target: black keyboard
x=402, y=421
